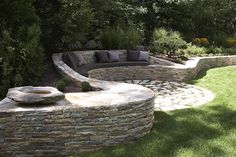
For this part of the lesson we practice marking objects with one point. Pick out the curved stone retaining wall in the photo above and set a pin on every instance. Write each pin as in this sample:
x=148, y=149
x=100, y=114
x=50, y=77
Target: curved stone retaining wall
x=119, y=113
x=68, y=129
x=175, y=72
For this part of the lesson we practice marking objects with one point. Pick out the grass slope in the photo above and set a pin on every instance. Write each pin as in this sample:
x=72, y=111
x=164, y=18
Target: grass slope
x=206, y=131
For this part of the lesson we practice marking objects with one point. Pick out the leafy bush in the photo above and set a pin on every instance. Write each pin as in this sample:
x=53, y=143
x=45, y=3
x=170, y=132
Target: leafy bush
x=193, y=50
x=132, y=38
x=219, y=39
x=117, y=38
x=179, y=60
x=229, y=51
x=230, y=42
x=215, y=50
x=20, y=53
x=86, y=87
x=64, y=22
x=201, y=41
x=167, y=41
x=61, y=84
x=112, y=38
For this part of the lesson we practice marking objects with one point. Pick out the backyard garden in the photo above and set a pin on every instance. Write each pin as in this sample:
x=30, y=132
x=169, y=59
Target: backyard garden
x=131, y=78
x=204, y=131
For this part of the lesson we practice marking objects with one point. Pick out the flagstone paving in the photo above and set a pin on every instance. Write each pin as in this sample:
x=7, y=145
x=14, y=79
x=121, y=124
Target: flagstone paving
x=175, y=95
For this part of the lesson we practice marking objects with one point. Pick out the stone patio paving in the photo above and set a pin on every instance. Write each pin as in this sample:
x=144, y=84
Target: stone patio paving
x=175, y=95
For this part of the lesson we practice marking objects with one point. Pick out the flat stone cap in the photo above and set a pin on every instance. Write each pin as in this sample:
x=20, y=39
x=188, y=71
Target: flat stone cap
x=40, y=95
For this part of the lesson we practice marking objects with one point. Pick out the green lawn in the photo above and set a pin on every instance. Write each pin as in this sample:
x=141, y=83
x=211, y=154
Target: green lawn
x=206, y=131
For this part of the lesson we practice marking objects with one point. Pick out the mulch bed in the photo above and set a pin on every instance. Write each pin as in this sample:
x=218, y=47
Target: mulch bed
x=173, y=59
x=50, y=77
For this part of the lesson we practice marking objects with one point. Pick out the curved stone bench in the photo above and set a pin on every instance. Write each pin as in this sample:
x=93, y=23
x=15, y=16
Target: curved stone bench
x=175, y=72
x=81, y=122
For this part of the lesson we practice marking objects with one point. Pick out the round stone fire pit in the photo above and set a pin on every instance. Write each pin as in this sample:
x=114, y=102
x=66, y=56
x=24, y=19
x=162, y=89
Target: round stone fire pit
x=38, y=95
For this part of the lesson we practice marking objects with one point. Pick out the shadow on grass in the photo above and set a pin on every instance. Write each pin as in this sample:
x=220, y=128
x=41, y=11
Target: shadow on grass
x=177, y=132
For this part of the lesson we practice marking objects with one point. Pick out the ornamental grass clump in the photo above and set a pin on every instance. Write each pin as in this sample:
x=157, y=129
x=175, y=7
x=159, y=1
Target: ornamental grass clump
x=119, y=38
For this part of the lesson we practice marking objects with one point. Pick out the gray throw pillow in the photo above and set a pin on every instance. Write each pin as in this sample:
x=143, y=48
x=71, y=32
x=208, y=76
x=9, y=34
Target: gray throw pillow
x=143, y=56
x=80, y=59
x=70, y=60
x=114, y=56
x=133, y=55
x=102, y=57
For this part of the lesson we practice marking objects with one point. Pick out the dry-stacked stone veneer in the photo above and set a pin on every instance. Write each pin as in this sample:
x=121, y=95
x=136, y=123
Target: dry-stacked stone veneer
x=81, y=122
x=119, y=113
x=163, y=71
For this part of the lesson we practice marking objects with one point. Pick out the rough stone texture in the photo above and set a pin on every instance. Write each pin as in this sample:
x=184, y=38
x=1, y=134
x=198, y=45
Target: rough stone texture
x=29, y=95
x=82, y=122
x=174, y=95
x=174, y=72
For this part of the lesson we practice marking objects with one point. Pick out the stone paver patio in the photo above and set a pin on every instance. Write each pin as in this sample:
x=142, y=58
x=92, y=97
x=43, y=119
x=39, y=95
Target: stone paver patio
x=175, y=95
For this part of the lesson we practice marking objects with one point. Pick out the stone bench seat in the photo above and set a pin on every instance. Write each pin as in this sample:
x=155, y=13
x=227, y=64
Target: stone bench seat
x=85, y=61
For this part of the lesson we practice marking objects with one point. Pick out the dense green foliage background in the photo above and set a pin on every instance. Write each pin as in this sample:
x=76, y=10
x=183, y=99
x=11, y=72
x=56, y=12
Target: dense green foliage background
x=20, y=52
x=30, y=27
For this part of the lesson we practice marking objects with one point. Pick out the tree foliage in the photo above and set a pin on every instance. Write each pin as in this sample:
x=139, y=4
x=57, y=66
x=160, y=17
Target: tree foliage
x=167, y=41
x=63, y=22
x=20, y=52
x=195, y=18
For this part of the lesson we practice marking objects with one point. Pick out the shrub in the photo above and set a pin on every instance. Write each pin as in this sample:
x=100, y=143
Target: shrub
x=62, y=83
x=112, y=38
x=86, y=87
x=230, y=42
x=64, y=22
x=132, y=38
x=193, y=50
x=215, y=50
x=230, y=51
x=219, y=39
x=179, y=60
x=201, y=41
x=167, y=41
x=20, y=51
x=117, y=38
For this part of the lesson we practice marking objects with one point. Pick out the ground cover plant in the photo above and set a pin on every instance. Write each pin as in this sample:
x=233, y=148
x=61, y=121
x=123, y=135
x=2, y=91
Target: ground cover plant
x=205, y=131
